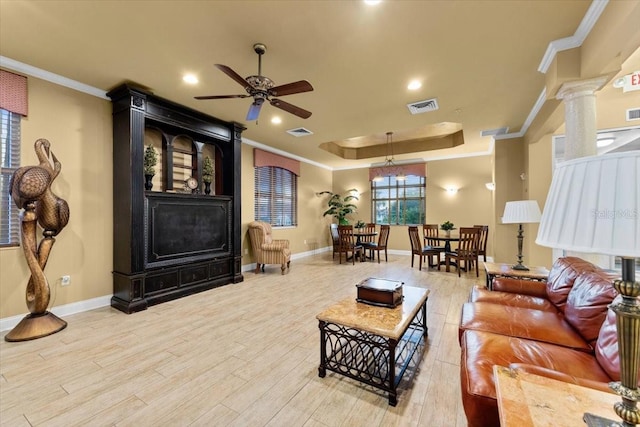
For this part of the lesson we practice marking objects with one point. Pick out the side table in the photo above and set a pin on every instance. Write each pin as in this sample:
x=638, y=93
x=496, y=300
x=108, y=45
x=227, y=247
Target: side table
x=504, y=270
x=528, y=400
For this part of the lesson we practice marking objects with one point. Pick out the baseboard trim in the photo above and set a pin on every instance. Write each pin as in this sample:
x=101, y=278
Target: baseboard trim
x=62, y=310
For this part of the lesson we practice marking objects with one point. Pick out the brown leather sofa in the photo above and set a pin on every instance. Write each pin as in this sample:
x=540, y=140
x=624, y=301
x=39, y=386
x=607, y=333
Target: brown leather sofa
x=562, y=329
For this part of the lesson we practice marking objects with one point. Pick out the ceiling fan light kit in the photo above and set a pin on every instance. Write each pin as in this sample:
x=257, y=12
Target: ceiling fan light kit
x=262, y=88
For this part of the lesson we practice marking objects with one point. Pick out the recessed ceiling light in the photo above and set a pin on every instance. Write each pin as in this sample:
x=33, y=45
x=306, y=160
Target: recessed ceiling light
x=372, y=2
x=414, y=85
x=604, y=142
x=276, y=120
x=190, y=78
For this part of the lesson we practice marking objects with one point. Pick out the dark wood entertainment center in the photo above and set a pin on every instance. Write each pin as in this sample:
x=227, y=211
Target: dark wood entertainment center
x=170, y=242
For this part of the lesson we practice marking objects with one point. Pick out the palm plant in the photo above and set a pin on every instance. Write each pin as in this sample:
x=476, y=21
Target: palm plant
x=340, y=207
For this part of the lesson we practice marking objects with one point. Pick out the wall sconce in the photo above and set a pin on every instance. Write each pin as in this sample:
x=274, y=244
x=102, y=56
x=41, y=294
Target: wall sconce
x=490, y=186
x=523, y=176
x=355, y=193
x=451, y=191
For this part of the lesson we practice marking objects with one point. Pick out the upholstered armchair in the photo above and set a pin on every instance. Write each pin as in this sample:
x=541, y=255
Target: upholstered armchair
x=266, y=249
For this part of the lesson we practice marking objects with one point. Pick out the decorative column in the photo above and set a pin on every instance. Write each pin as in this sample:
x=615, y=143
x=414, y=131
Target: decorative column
x=580, y=116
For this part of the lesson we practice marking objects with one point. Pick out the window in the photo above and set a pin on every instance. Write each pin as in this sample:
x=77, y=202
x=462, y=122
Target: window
x=399, y=202
x=9, y=162
x=276, y=196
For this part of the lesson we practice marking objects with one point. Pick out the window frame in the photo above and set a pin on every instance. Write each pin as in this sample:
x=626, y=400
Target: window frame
x=281, y=194
x=10, y=139
x=390, y=184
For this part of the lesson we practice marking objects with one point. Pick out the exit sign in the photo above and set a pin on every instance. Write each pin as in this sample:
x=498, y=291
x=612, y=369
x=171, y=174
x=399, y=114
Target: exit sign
x=631, y=82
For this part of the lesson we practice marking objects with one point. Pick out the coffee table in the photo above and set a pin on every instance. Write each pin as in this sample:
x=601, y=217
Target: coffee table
x=504, y=270
x=371, y=344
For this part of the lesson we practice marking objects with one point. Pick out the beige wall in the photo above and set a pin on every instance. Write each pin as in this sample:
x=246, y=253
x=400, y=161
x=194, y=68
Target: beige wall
x=472, y=204
x=308, y=235
x=509, y=165
x=79, y=129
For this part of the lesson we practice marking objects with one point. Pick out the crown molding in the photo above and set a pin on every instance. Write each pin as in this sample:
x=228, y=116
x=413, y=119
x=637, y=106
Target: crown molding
x=20, y=67
x=576, y=40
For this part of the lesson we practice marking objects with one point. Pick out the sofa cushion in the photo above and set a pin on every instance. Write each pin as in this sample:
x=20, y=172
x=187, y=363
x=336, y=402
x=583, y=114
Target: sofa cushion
x=562, y=275
x=587, y=303
x=481, y=350
x=479, y=294
x=538, y=325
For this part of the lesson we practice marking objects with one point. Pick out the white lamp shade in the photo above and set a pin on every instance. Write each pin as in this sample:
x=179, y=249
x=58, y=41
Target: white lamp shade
x=521, y=212
x=593, y=206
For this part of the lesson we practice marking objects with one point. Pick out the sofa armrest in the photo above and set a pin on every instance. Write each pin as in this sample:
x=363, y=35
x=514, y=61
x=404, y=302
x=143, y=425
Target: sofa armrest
x=560, y=376
x=533, y=288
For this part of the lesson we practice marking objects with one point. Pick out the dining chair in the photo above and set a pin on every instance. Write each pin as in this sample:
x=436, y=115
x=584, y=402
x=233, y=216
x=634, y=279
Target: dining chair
x=467, y=251
x=429, y=232
x=417, y=249
x=482, y=244
x=380, y=245
x=348, y=244
x=369, y=228
x=333, y=228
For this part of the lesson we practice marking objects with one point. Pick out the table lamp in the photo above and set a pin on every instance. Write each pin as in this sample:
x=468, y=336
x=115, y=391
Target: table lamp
x=593, y=206
x=521, y=212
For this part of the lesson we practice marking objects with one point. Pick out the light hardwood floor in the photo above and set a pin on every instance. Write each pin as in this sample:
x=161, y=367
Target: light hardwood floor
x=240, y=355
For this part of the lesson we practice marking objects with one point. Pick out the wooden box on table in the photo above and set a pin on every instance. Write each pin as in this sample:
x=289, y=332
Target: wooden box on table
x=380, y=292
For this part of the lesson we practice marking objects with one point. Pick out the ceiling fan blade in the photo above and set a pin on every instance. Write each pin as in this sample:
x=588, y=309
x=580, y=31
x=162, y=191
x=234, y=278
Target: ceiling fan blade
x=290, y=108
x=235, y=76
x=254, y=110
x=291, y=88
x=220, y=96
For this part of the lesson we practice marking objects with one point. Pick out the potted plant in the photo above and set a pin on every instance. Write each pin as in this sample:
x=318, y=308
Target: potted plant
x=340, y=207
x=149, y=162
x=207, y=174
x=447, y=226
x=359, y=224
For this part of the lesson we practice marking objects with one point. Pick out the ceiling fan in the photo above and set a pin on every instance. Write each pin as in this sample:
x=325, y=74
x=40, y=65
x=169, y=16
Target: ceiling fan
x=262, y=88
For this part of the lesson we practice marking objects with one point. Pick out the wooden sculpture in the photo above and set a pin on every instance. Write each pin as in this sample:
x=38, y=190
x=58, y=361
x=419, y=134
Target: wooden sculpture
x=30, y=188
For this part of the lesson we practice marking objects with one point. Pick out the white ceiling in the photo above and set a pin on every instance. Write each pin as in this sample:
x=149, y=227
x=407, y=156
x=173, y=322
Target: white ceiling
x=478, y=58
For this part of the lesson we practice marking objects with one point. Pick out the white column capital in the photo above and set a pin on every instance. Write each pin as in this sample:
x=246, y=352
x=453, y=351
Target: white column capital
x=579, y=88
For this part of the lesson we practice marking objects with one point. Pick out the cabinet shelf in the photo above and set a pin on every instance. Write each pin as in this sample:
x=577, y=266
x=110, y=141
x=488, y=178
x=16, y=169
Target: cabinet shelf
x=168, y=244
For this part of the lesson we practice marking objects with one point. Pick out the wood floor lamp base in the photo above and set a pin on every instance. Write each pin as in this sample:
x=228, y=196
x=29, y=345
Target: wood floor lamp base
x=36, y=326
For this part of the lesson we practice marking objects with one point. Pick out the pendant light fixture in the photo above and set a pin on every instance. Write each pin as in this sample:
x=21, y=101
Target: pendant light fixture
x=389, y=168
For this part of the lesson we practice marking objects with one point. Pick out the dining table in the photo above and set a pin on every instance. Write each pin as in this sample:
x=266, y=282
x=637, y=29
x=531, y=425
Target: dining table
x=361, y=235
x=447, y=241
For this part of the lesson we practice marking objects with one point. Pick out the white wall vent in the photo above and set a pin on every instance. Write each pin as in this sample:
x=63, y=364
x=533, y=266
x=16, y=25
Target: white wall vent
x=633, y=114
x=299, y=132
x=494, y=132
x=423, y=106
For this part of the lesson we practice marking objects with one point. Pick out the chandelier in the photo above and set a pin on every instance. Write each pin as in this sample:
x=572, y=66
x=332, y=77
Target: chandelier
x=389, y=168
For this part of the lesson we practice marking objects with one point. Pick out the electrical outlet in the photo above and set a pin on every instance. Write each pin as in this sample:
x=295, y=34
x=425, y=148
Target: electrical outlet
x=65, y=280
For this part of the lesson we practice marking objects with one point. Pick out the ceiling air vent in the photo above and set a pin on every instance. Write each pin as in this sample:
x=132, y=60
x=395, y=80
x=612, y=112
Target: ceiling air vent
x=633, y=114
x=423, y=106
x=299, y=132
x=494, y=132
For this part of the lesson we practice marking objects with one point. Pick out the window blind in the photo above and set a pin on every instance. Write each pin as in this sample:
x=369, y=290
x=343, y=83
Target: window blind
x=276, y=196
x=9, y=163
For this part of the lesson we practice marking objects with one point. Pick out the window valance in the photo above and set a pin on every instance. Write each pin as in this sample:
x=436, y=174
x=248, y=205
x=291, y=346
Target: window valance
x=266, y=158
x=13, y=93
x=418, y=169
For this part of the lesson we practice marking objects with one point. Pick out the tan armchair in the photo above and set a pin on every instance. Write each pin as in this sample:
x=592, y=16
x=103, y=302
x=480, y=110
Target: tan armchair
x=266, y=249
